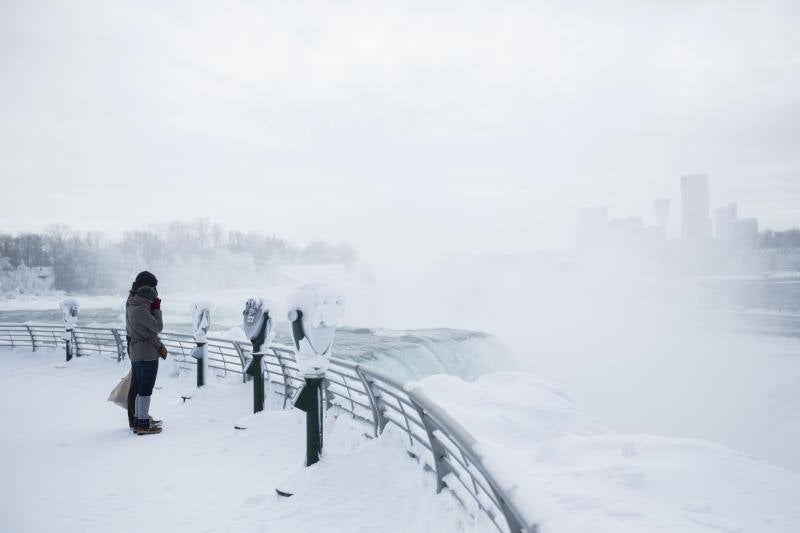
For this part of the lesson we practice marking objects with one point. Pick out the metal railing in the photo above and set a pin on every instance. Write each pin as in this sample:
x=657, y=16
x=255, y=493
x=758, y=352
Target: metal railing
x=439, y=443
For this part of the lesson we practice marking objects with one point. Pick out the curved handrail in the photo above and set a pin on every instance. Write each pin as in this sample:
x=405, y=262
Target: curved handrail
x=437, y=440
x=467, y=442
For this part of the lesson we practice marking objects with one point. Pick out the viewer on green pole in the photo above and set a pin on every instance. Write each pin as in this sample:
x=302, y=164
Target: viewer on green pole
x=258, y=328
x=201, y=319
x=69, y=311
x=314, y=313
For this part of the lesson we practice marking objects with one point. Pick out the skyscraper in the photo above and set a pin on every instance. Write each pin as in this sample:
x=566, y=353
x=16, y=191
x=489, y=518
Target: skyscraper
x=696, y=224
x=727, y=216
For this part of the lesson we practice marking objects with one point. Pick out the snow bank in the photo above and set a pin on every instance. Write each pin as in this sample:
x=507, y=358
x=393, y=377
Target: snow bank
x=519, y=408
x=568, y=473
x=637, y=483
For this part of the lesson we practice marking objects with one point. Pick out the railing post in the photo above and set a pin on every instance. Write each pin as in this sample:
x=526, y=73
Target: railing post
x=326, y=385
x=349, y=394
x=438, y=450
x=374, y=401
x=120, y=346
x=408, y=424
x=287, y=383
x=240, y=353
x=224, y=363
x=33, y=339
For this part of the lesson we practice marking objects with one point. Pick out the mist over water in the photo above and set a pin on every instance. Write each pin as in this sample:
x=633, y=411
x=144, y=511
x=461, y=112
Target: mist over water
x=650, y=354
x=636, y=352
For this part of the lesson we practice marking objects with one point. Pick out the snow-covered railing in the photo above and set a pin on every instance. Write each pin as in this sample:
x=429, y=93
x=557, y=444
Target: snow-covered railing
x=223, y=354
x=439, y=443
x=31, y=336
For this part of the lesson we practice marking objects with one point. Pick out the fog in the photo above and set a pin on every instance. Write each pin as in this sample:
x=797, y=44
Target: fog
x=451, y=147
x=407, y=130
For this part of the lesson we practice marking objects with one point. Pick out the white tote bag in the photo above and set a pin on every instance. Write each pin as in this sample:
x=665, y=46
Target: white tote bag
x=120, y=393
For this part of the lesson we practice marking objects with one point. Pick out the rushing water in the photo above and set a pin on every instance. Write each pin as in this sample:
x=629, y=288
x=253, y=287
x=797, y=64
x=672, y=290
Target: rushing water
x=405, y=354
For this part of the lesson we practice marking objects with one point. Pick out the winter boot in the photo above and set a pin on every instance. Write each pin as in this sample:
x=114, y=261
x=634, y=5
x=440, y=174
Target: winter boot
x=144, y=427
x=153, y=422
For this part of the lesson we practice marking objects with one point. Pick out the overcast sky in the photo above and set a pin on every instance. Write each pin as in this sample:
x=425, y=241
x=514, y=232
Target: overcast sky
x=394, y=126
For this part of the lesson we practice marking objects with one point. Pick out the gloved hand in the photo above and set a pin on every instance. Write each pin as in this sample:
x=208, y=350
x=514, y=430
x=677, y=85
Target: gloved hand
x=156, y=304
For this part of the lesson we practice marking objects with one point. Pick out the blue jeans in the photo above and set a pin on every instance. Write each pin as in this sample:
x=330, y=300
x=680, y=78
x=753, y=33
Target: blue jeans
x=144, y=376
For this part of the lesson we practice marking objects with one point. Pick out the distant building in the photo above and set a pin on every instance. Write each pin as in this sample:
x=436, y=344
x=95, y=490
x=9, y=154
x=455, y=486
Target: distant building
x=727, y=216
x=734, y=232
x=696, y=224
x=745, y=233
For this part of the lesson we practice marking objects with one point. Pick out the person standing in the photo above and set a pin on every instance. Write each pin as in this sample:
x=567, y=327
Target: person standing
x=143, y=323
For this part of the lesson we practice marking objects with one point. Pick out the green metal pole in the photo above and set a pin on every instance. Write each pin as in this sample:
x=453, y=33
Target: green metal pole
x=201, y=378
x=201, y=369
x=256, y=370
x=310, y=401
x=258, y=383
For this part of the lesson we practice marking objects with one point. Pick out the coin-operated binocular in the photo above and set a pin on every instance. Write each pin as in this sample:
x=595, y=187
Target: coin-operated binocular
x=69, y=312
x=201, y=322
x=258, y=326
x=314, y=313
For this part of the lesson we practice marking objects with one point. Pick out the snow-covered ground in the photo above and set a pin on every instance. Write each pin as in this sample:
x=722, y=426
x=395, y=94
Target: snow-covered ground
x=571, y=473
x=69, y=463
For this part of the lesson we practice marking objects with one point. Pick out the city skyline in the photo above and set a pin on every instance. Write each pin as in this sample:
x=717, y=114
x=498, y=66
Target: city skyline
x=690, y=217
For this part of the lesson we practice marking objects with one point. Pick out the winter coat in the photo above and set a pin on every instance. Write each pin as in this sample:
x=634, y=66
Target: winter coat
x=143, y=325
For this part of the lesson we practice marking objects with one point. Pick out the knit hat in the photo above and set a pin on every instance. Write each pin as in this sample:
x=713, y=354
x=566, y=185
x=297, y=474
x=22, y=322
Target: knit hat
x=144, y=278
